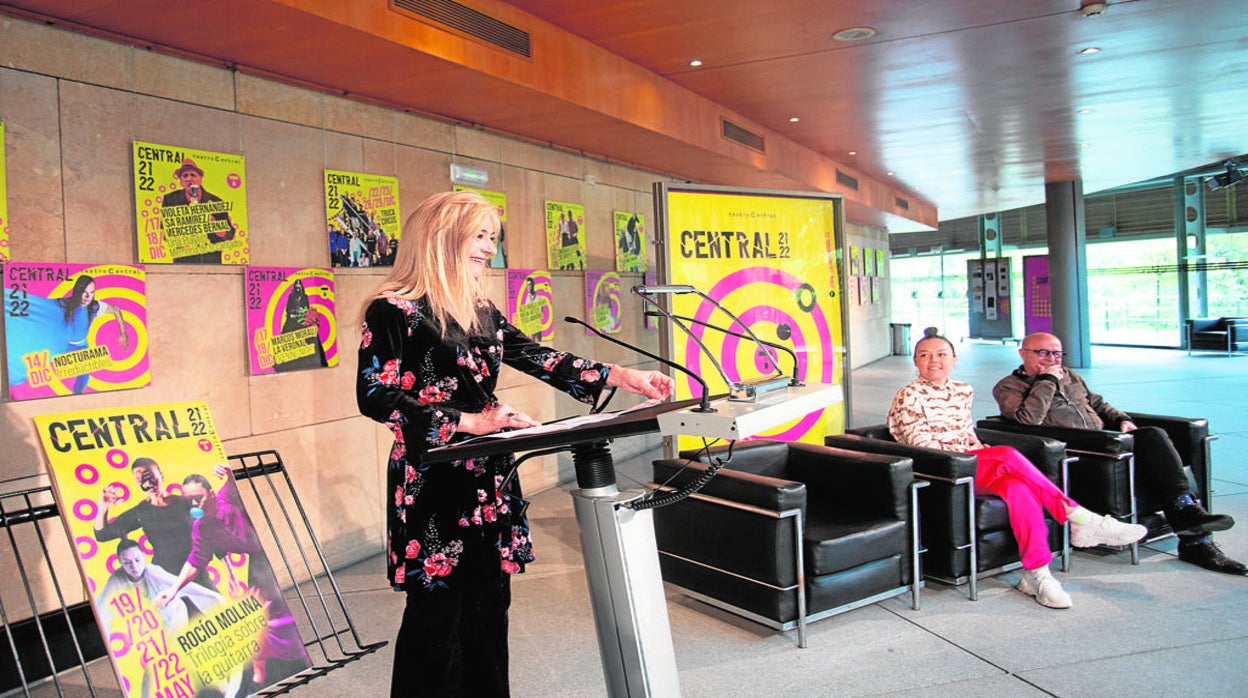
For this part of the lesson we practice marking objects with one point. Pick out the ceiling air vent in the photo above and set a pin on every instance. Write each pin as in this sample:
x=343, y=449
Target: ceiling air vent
x=846, y=180
x=469, y=22
x=901, y=203
x=744, y=136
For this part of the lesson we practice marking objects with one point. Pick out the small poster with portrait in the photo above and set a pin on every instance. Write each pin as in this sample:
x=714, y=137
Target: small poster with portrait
x=499, y=200
x=602, y=301
x=630, y=241
x=363, y=223
x=530, y=303
x=290, y=319
x=72, y=329
x=4, y=205
x=185, y=598
x=880, y=268
x=855, y=261
x=191, y=205
x=565, y=236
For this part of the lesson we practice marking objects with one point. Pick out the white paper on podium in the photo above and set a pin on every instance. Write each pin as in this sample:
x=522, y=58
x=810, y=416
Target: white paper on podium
x=561, y=424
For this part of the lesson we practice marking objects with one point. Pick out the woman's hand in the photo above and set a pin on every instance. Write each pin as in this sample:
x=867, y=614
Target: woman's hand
x=652, y=384
x=494, y=419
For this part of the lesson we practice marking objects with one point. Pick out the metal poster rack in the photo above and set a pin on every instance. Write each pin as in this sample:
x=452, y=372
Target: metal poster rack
x=59, y=631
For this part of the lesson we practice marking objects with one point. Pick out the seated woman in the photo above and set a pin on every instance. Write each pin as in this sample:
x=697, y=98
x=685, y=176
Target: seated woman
x=935, y=412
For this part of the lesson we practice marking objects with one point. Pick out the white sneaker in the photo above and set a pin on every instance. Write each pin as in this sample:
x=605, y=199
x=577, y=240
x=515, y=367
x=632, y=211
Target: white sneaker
x=1045, y=588
x=1105, y=530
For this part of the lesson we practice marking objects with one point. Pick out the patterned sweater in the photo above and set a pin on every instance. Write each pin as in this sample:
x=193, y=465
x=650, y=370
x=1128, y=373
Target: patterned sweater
x=934, y=416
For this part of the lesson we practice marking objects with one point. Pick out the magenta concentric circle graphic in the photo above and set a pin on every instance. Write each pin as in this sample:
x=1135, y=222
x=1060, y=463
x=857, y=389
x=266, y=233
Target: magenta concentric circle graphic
x=761, y=283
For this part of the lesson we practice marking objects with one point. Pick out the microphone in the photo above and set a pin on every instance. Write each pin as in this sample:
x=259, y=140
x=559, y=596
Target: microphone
x=703, y=406
x=743, y=390
x=194, y=193
x=794, y=381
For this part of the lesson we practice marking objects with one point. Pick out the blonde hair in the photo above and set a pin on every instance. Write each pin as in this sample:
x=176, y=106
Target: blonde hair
x=430, y=262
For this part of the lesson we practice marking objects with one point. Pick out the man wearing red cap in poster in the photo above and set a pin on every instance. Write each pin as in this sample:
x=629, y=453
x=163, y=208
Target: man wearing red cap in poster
x=193, y=192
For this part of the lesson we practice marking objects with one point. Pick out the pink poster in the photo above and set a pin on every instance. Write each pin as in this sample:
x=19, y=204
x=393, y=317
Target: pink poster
x=602, y=301
x=530, y=303
x=290, y=319
x=1037, y=312
x=75, y=328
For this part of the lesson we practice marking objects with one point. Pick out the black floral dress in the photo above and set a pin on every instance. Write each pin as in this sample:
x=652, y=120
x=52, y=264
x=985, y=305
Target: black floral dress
x=449, y=524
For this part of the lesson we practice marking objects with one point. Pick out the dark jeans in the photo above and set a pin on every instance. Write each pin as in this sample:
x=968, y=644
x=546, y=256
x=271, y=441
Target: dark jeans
x=453, y=643
x=1159, y=475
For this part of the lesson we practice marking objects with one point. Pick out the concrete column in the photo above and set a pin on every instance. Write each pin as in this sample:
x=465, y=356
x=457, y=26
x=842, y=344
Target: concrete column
x=1068, y=269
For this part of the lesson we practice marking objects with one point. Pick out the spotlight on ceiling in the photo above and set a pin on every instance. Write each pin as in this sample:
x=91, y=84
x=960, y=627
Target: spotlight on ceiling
x=1222, y=180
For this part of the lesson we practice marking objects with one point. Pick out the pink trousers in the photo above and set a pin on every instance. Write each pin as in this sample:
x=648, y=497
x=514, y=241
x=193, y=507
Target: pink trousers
x=1003, y=471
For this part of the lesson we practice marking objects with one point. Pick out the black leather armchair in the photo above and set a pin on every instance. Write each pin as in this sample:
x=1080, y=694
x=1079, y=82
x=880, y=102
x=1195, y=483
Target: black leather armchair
x=788, y=533
x=1228, y=334
x=966, y=535
x=1103, y=479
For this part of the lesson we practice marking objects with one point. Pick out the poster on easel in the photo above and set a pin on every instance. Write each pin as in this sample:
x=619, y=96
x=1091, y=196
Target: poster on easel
x=565, y=236
x=769, y=258
x=72, y=329
x=4, y=202
x=602, y=301
x=630, y=241
x=186, y=600
x=530, y=303
x=191, y=205
x=291, y=322
x=362, y=218
x=499, y=200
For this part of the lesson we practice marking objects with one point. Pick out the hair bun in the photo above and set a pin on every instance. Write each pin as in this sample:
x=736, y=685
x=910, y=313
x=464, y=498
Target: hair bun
x=929, y=332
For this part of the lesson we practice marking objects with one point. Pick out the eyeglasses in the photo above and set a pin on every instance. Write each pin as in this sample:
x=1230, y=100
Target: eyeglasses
x=1044, y=353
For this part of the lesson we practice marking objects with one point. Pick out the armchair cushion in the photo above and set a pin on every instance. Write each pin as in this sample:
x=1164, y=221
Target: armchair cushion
x=855, y=539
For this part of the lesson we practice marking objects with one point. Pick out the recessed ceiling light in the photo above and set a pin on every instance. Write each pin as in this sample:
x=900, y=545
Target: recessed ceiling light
x=695, y=63
x=1083, y=145
x=793, y=119
x=1085, y=111
x=889, y=173
x=853, y=152
x=1089, y=51
x=854, y=34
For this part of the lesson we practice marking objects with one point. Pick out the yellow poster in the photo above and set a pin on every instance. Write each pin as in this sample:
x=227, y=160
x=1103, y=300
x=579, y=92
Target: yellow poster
x=186, y=600
x=770, y=260
x=499, y=200
x=630, y=241
x=362, y=211
x=191, y=205
x=565, y=236
x=4, y=206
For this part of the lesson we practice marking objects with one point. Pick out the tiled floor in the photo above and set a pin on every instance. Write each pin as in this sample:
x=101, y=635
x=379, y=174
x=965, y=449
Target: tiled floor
x=1162, y=628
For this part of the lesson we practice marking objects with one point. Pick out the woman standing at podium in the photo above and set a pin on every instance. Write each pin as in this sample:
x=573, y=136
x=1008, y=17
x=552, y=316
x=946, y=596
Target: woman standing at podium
x=429, y=358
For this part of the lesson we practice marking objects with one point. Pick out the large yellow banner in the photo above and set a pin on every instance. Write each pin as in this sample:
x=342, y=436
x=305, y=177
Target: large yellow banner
x=770, y=259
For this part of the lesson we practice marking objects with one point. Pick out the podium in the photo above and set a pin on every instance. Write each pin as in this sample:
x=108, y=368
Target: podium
x=618, y=545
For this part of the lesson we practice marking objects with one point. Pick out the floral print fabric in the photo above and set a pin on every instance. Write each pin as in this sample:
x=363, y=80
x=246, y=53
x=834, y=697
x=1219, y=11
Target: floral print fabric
x=451, y=525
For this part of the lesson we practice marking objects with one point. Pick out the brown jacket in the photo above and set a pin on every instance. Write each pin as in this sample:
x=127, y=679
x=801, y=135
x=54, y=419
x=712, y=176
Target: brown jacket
x=1047, y=401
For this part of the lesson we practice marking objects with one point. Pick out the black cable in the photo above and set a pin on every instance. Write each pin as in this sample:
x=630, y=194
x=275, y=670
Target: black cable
x=668, y=498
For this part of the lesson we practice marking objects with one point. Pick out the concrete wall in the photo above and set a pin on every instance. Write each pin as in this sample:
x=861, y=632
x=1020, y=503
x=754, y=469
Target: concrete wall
x=72, y=105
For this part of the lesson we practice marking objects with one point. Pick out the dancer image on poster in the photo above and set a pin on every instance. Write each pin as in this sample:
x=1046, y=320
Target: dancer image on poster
x=630, y=241
x=60, y=325
x=222, y=528
x=300, y=314
x=570, y=233
x=134, y=572
x=163, y=517
x=192, y=192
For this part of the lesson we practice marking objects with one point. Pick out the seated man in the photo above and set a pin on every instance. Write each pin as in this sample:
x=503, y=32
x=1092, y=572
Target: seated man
x=1042, y=392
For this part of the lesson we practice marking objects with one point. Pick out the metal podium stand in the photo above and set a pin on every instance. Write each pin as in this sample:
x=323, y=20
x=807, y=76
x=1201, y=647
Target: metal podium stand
x=621, y=558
